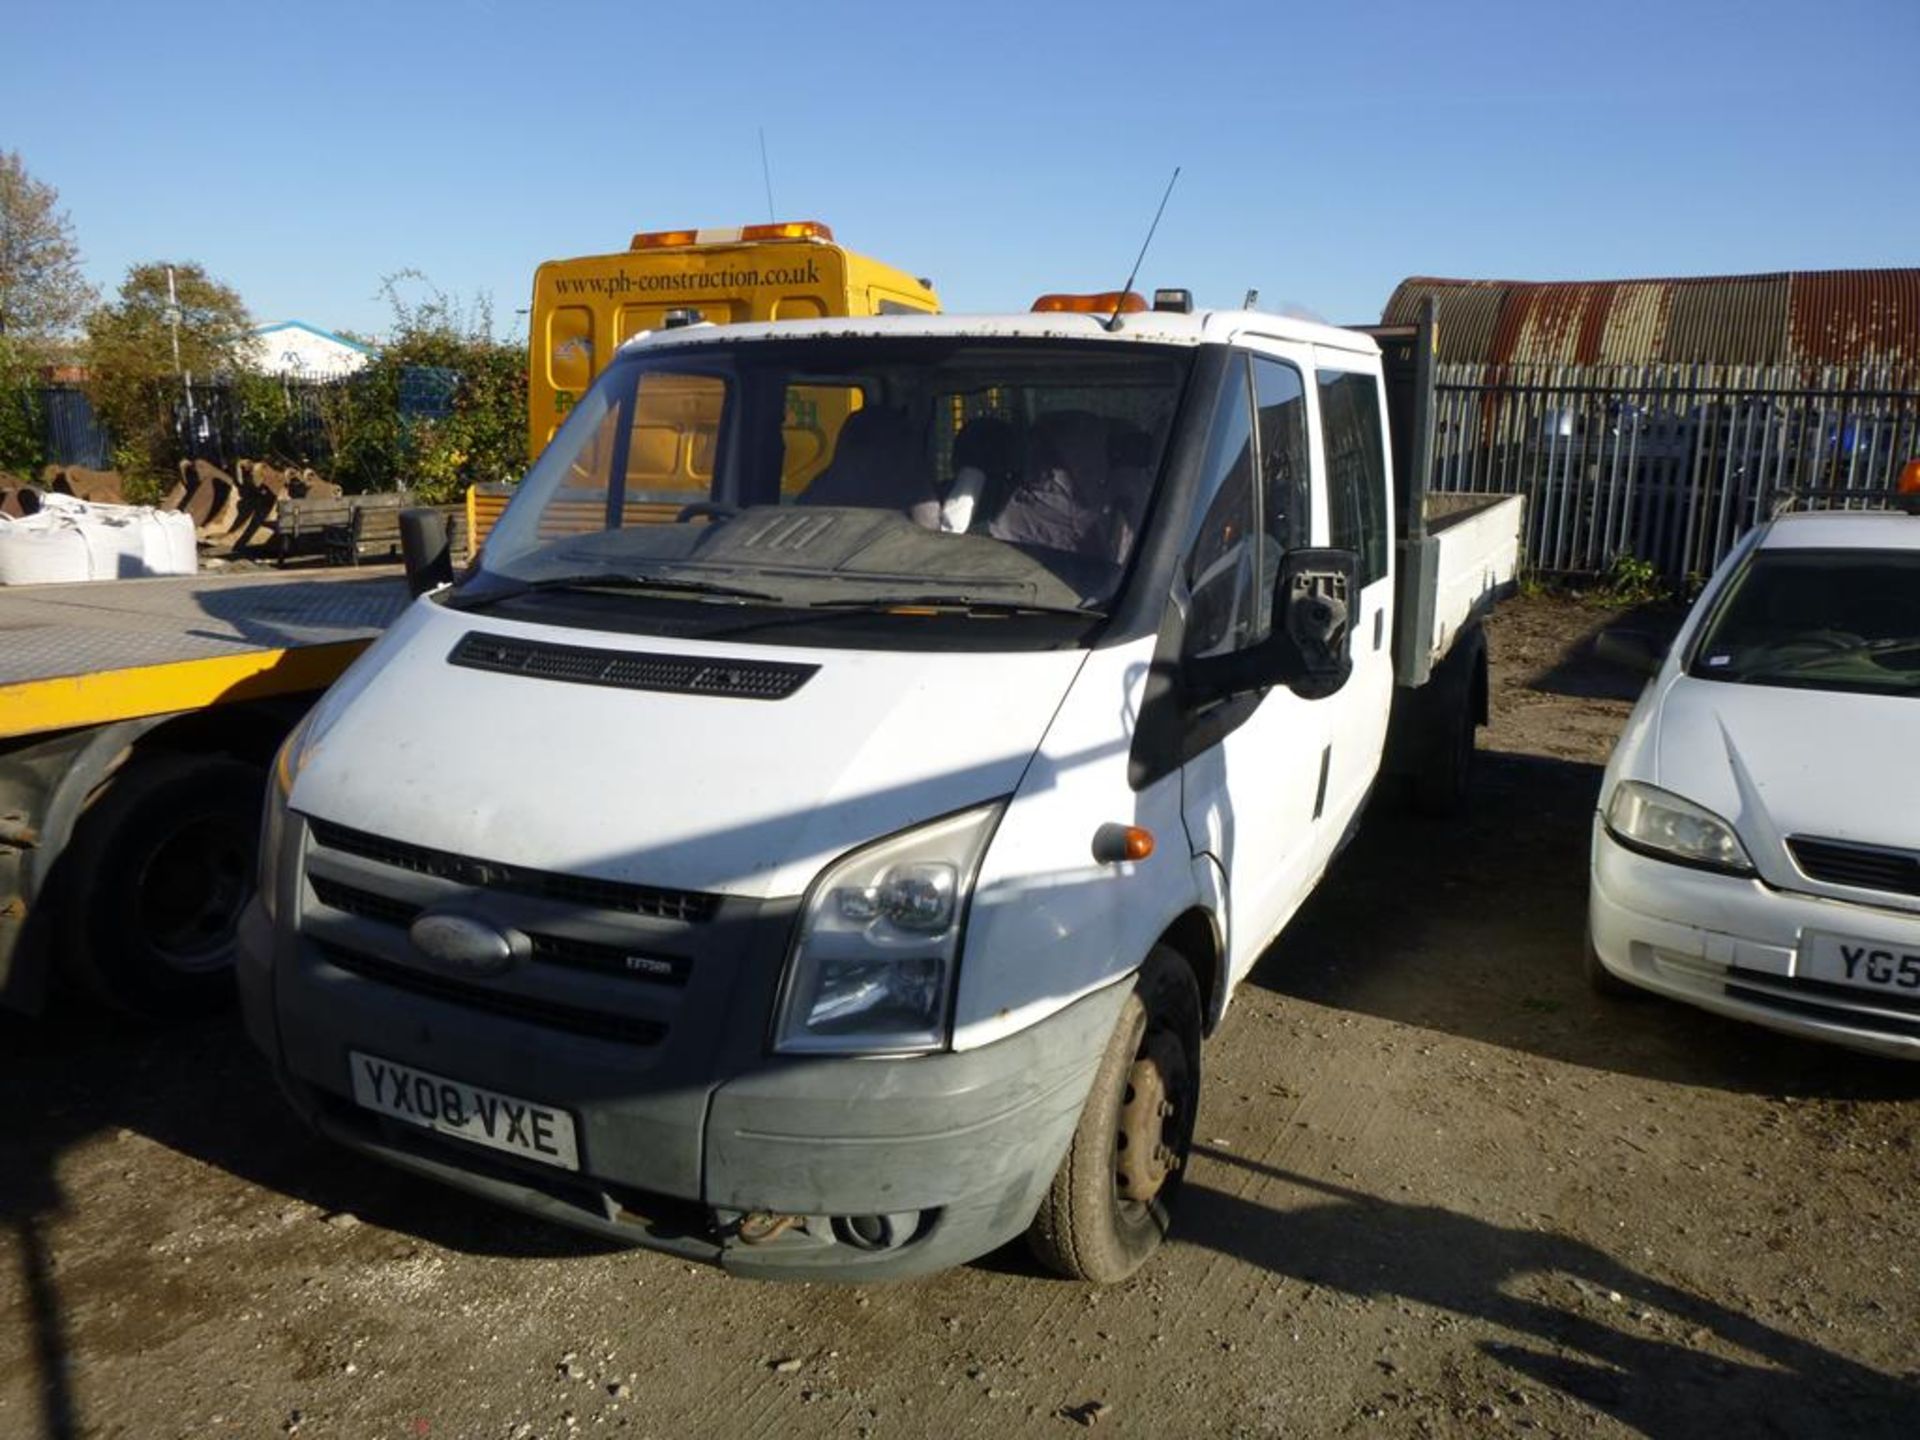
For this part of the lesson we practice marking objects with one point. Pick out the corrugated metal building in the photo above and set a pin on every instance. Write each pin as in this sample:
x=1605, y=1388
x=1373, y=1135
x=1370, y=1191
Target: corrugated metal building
x=1804, y=318
x=1660, y=419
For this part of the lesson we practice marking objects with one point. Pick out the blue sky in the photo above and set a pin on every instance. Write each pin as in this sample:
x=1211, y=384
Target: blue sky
x=303, y=153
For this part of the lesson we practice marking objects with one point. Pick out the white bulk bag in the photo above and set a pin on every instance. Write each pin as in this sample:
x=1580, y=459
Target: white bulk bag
x=36, y=550
x=72, y=539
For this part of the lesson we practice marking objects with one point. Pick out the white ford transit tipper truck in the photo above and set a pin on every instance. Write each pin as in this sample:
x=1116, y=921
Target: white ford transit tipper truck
x=873, y=858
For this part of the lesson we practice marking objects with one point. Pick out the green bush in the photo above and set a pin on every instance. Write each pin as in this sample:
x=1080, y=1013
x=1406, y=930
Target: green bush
x=379, y=441
x=167, y=318
x=22, y=415
x=1632, y=581
x=373, y=432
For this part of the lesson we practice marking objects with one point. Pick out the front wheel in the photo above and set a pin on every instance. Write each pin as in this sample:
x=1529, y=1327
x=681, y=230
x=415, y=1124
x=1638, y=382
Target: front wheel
x=1111, y=1203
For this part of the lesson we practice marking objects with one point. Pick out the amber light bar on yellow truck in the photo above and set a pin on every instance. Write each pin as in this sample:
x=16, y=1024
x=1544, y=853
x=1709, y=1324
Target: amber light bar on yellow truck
x=732, y=235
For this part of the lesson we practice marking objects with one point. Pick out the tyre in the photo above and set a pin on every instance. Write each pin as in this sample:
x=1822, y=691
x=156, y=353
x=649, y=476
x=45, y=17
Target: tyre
x=1111, y=1203
x=1442, y=784
x=161, y=864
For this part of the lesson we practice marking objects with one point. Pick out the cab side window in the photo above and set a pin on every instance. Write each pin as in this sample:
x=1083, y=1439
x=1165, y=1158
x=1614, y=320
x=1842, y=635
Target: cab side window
x=1356, y=472
x=1223, y=554
x=1286, y=472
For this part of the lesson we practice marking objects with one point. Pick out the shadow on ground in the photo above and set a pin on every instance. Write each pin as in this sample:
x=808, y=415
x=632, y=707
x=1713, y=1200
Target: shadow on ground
x=1475, y=928
x=202, y=1091
x=1577, y=672
x=1575, y=1309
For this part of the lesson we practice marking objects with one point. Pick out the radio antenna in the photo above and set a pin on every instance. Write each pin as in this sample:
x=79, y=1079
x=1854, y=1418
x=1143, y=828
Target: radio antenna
x=1114, y=319
x=766, y=173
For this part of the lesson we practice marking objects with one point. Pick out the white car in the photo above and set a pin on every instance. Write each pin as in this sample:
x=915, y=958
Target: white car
x=1756, y=850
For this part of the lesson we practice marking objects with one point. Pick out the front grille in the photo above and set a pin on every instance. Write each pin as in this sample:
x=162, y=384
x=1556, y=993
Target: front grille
x=1823, y=1000
x=630, y=669
x=608, y=959
x=1907, y=1002
x=1865, y=867
x=351, y=900
x=558, y=950
x=690, y=906
x=601, y=1025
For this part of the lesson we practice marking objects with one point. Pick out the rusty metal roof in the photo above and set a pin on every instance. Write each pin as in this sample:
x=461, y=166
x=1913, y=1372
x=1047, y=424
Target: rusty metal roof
x=1822, y=317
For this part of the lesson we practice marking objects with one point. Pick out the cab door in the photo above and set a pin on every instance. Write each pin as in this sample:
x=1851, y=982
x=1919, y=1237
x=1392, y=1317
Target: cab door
x=1252, y=785
x=1359, y=517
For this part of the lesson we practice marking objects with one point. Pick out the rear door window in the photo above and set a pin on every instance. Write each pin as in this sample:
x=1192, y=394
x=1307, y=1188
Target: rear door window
x=1356, y=473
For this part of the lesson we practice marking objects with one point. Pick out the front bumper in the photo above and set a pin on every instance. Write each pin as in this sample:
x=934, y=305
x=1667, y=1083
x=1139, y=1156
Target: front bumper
x=1732, y=946
x=942, y=1157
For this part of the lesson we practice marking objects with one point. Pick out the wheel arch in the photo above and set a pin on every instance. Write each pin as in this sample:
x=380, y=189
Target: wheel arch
x=79, y=765
x=250, y=732
x=1195, y=936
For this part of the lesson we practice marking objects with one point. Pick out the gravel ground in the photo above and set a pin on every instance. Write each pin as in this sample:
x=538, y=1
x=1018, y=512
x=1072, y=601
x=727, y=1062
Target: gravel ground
x=1442, y=1191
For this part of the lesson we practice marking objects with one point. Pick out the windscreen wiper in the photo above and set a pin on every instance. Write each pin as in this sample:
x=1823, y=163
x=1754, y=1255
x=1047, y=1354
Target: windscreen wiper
x=638, y=584
x=966, y=604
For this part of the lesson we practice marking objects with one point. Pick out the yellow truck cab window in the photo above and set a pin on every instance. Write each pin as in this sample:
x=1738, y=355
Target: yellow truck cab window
x=569, y=352
x=635, y=320
x=662, y=441
x=810, y=428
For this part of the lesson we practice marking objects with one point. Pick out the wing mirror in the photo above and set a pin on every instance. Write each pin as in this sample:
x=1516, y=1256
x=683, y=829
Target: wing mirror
x=1310, y=648
x=424, y=546
x=1630, y=650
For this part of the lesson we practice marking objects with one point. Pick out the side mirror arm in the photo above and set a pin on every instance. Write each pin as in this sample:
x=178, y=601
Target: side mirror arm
x=1221, y=677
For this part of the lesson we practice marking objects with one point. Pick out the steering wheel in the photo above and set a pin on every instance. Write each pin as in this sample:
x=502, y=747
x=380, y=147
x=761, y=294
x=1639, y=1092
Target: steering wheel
x=711, y=509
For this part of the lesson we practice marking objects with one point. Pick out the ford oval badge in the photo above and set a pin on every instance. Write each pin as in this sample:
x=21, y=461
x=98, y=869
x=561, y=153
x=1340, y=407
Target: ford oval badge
x=462, y=943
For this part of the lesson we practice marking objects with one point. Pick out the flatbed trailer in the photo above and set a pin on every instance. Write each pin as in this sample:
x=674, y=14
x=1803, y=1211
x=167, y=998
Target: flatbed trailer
x=137, y=720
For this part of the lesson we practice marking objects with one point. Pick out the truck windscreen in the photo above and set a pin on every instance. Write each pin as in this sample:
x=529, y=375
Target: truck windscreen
x=1005, y=474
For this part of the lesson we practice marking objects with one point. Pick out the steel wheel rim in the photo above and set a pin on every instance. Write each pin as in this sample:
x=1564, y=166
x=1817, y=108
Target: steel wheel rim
x=1150, y=1120
x=190, y=893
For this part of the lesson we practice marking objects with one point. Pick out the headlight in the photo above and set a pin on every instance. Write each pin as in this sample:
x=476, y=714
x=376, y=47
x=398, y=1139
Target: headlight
x=872, y=967
x=1645, y=817
x=273, y=819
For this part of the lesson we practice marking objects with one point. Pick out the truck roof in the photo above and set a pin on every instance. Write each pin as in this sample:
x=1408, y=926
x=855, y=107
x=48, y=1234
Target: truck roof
x=1843, y=530
x=1155, y=327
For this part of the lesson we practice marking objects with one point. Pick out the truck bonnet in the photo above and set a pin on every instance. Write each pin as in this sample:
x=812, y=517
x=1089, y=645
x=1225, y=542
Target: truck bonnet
x=719, y=792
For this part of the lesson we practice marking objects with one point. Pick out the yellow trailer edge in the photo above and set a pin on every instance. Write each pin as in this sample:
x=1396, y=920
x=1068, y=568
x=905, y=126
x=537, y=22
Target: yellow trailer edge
x=137, y=719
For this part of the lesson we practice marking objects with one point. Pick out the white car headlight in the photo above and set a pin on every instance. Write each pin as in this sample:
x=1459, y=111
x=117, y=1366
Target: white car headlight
x=1645, y=817
x=872, y=966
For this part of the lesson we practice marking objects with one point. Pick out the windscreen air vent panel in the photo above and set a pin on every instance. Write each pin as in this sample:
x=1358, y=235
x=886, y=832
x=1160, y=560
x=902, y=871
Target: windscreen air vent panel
x=631, y=669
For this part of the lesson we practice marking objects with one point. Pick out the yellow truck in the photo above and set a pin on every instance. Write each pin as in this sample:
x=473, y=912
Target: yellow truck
x=584, y=308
